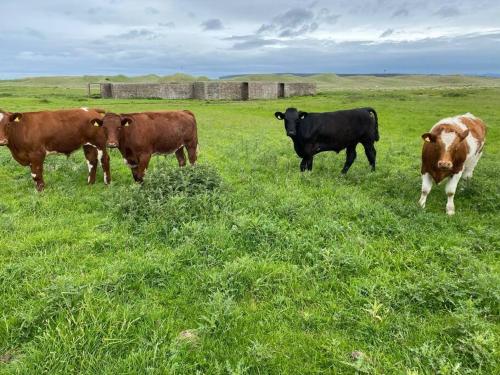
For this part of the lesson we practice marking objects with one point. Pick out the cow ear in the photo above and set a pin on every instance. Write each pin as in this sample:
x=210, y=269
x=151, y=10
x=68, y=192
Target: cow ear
x=429, y=137
x=96, y=122
x=16, y=117
x=126, y=121
x=464, y=134
x=302, y=115
x=279, y=115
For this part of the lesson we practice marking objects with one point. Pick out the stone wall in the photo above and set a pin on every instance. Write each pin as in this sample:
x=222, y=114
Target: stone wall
x=211, y=90
x=263, y=90
x=299, y=89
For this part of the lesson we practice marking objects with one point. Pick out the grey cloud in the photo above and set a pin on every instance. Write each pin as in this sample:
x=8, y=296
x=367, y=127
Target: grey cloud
x=137, y=34
x=34, y=33
x=403, y=12
x=325, y=15
x=387, y=33
x=151, y=10
x=169, y=25
x=255, y=43
x=448, y=11
x=212, y=24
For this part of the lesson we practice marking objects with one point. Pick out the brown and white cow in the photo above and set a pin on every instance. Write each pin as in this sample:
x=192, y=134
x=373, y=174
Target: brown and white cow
x=451, y=149
x=140, y=135
x=31, y=136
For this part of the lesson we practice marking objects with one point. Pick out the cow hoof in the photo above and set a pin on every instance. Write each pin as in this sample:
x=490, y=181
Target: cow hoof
x=450, y=212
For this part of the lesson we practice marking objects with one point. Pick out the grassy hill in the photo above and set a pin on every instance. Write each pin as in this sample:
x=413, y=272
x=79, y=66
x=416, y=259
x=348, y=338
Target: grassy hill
x=79, y=81
x=332, y=82
x=325, y=82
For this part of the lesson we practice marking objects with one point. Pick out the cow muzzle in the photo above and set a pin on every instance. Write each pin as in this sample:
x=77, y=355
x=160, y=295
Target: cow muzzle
x=112, y=145
x=446, y=165
x=291, y=134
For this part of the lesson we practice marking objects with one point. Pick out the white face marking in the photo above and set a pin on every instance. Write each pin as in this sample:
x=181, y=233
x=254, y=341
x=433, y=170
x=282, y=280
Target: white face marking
x=448, y=138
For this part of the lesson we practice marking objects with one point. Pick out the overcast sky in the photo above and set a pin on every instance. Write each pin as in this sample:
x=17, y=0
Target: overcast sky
x=214, y=38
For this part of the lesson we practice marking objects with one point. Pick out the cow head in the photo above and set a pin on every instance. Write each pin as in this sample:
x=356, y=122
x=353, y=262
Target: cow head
x=5, y=119
x=112, y=124
x=292, y=119
x=447, y=144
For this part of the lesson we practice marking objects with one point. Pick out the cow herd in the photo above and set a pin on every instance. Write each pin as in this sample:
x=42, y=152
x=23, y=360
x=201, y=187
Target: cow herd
x=451, y=148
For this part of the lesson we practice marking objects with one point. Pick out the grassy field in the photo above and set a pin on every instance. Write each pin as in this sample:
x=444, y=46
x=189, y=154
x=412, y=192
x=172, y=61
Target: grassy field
x=245, y=265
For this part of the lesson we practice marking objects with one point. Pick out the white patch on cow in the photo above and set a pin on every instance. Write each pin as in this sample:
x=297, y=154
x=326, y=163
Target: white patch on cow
x=33, y=175
x=470, y=115
x=106, y=179
x=89, y=165
x=88, y=180
x=85, y=109
x=129, y=165
x=426, y=188
x=1, y=116
x=451, y=121
x=47, y=152
x=448, y=138
x=90, y=144
x=99, y=155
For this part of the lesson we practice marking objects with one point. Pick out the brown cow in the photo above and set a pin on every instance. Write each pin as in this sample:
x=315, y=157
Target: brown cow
x=31, y=136
x=140, y=135
x=451, y=149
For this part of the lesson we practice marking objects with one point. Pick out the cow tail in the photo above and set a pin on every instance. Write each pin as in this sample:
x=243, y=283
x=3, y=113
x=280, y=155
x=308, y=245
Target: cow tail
x=375, y=117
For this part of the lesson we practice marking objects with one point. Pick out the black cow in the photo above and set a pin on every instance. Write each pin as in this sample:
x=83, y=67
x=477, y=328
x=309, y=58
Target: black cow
x=331, y=131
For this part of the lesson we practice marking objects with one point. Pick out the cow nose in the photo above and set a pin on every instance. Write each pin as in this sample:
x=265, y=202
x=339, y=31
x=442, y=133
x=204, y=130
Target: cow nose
x=445, y=164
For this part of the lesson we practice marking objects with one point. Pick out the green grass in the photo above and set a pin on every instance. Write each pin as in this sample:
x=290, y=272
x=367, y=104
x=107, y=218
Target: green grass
x=245, y=265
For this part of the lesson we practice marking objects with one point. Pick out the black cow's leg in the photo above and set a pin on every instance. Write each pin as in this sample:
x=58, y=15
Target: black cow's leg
x=310, y=164
x=371, y=154
x=350, y=157
x=303, y=165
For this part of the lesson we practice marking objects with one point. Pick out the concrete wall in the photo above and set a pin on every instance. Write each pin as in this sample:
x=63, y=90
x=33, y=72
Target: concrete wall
x=263, y=90
x=212, y=90
x=299, y=89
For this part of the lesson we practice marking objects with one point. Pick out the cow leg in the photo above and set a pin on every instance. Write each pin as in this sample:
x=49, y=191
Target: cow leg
x=426, y=188
x=350, y=157
x=471, y=165
x=104, y=158
x=310, y=164
x=141, y=167
x=371, y=154
x=450, y=189
x=192, y=150
x=37, y=172
x=181, y=157
x=303, y=164
x=91, y=156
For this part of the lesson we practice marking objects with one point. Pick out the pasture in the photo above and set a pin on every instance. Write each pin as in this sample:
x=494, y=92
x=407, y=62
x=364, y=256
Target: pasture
x=257, y=268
